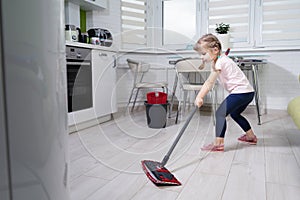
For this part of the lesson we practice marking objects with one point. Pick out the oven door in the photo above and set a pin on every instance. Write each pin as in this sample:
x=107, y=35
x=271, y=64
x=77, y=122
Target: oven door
x=79, y=79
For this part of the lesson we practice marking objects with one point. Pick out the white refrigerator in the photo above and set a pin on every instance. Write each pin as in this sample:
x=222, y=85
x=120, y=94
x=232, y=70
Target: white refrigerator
x=33, y=112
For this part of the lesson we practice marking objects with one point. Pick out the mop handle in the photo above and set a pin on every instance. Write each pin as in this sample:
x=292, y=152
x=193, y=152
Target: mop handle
x=167, y=156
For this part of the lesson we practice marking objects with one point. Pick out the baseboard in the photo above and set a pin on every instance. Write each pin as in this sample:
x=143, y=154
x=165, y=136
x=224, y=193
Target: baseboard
x=90, y=123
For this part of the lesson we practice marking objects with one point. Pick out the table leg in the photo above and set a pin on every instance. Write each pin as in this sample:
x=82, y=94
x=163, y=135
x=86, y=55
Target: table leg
x=256, y=88
x=173, y=94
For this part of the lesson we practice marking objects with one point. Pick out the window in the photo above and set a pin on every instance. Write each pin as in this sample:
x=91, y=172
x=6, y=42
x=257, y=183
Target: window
x=280, y=23
x=179, y=21
x=133, y=23
x=176, y=23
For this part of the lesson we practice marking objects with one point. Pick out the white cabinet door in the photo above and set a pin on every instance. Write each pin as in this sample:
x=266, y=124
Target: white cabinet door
x=104, y=82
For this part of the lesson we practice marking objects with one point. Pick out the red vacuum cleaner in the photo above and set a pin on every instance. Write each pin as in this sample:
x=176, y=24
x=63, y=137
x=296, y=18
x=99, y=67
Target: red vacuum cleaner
x=156, y=171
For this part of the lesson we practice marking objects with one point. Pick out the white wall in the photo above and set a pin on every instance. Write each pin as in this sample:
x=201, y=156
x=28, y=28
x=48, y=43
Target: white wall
x=279, y=79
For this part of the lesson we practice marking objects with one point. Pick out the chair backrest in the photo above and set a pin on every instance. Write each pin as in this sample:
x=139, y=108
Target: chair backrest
x=192, y=71
x=189, y=65
x=139, y=69
x=192, y=65
x=138, y=66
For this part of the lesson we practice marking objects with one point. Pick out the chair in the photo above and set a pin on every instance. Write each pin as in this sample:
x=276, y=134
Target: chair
x=139, y=69
x=191, y=76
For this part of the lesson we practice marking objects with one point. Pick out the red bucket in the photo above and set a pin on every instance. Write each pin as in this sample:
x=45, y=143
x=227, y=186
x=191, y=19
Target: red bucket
x=157, y=98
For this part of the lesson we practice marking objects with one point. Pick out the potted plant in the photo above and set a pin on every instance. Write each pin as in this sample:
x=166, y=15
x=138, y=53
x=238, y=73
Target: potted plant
x=222, y=31
x=222, y=28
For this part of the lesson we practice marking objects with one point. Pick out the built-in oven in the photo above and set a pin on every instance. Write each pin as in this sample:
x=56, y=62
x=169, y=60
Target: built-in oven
x=79, y=78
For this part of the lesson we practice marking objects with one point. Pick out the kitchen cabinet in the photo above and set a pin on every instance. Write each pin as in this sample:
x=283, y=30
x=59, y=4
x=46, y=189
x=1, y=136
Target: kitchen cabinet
x=104, y=82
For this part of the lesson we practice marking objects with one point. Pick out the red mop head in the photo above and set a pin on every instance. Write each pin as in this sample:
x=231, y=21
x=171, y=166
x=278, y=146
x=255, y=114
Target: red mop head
x=158, y=175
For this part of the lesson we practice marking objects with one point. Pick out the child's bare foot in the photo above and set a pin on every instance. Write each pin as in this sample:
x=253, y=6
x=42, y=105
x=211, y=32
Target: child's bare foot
x=213, y=147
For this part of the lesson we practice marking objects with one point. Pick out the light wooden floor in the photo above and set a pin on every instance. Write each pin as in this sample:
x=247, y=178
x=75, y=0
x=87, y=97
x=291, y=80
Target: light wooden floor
x=105, y=160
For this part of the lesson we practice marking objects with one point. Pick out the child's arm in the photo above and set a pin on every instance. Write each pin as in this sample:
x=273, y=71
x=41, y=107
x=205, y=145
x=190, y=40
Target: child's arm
x=207, y=86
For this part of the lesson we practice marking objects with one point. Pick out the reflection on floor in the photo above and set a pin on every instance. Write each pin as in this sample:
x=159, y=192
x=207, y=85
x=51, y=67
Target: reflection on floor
x=105, y=160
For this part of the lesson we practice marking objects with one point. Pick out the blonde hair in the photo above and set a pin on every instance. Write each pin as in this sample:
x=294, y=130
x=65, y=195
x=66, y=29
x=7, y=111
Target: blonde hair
x=210, y=41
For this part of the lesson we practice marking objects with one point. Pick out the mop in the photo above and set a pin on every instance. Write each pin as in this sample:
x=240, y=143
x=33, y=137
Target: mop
x=156, y=171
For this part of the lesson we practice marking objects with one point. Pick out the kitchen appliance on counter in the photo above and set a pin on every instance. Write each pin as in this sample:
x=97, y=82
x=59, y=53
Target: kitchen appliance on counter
x=100, y=36
x=79, y=78
x=71, y=33
x=79, y=35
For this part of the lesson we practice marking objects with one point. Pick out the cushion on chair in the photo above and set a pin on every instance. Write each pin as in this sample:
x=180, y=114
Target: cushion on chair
x=294, y=110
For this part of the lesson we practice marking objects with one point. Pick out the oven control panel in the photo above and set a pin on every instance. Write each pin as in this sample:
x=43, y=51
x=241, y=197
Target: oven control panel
x=77, y=53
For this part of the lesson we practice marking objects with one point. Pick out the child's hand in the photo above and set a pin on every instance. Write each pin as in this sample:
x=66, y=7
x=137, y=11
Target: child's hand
x=198, y=102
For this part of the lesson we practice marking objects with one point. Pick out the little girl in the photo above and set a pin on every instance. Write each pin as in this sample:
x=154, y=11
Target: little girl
x=232, y=78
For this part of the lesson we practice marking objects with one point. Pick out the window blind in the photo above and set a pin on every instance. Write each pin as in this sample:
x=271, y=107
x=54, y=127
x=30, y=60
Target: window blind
x=133, y=22
x=280, y=24
x=237, y=13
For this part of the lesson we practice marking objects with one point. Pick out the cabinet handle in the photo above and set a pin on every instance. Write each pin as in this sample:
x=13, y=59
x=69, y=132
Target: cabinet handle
x=102, y=54
x=78, y=63
x=115, y=61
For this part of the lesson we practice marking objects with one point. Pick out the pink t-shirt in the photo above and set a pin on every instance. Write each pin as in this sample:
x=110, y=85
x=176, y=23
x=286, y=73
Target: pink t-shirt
x=231, y=77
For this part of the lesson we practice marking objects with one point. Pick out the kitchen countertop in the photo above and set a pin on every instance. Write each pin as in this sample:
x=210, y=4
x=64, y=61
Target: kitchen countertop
x=136, y=51
x=91, y=46
x=157, y=51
